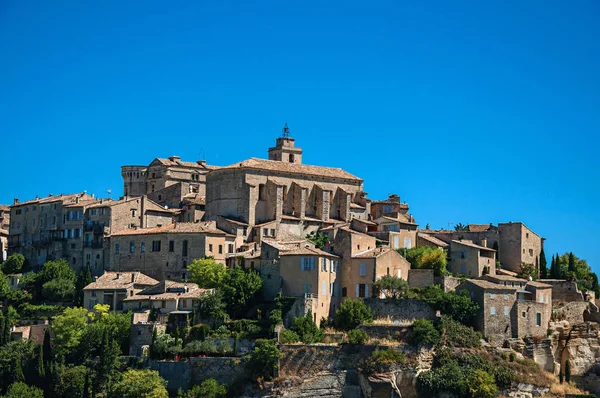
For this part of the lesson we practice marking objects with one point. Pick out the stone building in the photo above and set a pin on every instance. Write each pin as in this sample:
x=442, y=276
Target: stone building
x=3, y=244
x=514, y=241
x=165, y=252
x=164, y=173
x=292, y=197
x=4, y=217
x=469, y=259
x=510, y=308
x=113, y=287
x=167, y=297
x=48, y=228
x=106, y=217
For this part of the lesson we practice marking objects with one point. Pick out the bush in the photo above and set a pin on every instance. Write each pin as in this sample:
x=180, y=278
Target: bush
x=244, y=327
x=287, y=336
x=21, y=390
x=263, y=361
x=357, y=336
x=382, y=360
x=482, y=385
x=199, y=332
x=458, y=306
x=307, y=330
x=351, y=314
x=458, y=335
x=210, y=388
x=423, y=332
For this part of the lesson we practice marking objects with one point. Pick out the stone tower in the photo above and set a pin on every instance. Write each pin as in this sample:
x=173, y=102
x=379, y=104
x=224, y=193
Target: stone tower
x=284, y=149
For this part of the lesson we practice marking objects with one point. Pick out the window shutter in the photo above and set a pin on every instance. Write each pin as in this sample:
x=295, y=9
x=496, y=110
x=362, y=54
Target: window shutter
x=357, y=289
x=366, y=290
x=301, y=263
x=323, y=288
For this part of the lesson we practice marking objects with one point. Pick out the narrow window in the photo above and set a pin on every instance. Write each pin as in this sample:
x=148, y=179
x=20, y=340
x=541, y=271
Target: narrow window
x=363, y=269
x=492, y=310
x=117, y=248
x=538, y=319
x=184, y=249
x=131, y=247
x=506, y=311
x=171, y=245
x=210, y=247
x=142, y=247
x=220, y=249
x=344, y=292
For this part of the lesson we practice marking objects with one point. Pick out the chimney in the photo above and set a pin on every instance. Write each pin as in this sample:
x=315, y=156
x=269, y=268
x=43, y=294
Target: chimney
x=118, y=276
x=174, y=158
x=37, y=197
x=484, y=242
x=15, y=201
x=76, y=199
x=132, y=277
x=201, y=162
x=50, y=195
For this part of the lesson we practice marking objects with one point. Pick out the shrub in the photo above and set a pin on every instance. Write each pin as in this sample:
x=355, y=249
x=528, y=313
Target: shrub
x=210, y=388
x=244, y=327
x=287, y=336
x=458, y=335
x=307, y=330
x=263, y=361
x=199, y=332
x=382, y=360
x=481, y=384
x=357, y=336
x=423, y=332
x=351, y=314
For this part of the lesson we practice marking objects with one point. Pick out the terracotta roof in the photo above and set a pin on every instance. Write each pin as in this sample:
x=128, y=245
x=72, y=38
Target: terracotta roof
x=235, y=221
x=292, y=168
x=176, y=228
x=306, y=251
x=436, y=231
x=432, y=239
x=506, y=278
x=161, y=291
x=356, y=206
x=356, y=232
x=398, y=220
x=471, y=244
x=194, y=199
x=539, y=285
x=479, y=227
x=68, y=198
x=490, y=285
x=83, y=203
x=373, y=253
x=502, y=271
x=190, y=165
x=120, y=280
x=367, y=222
x=4, y=207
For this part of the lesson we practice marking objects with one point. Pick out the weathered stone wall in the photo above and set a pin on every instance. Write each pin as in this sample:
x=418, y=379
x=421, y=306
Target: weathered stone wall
x=420, y=277
x=563, y=290
x=572, y=312
x=389, y=332
x=448, y=283
x=141, y=335
x=184, y=374
x=403, y=311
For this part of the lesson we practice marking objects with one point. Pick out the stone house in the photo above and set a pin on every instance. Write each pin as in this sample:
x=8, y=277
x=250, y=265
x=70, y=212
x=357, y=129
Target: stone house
x=33, y=333
x=507, y=311
x=467, y=258
x=164, y=173
x=431, y=241
x=516, y=242
x=4, y=217
x=394, y=225
x=312, y=273
x=48, y=228
x=3, y=244
x=110, y=216
x=165, y=252
x=113, y=287
x=370, y=265
x=166, y=297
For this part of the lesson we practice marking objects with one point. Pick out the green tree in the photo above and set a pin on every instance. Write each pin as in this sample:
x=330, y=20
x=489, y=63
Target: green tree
x=21, y=390
x=47, y=347
x=212, y=307
x=210, y=388
x=423, y=332
x=571, y=266
x=263, y=361
x=240, y=289
x=140, y=384
x=481, y=384
x=13, y=264
x=527, y=270
x=357, y=336
x=319, y=239
x=351, y=314
x=461, y=227
x=70, y=382
x=543, y=265
x=58, y=290
x=415, y=254
x=568, y=371
x=40, y=366
x=390, y=286
x=307, y=330
x=435, y=260
x=68, y=329
x=4, y=286
x=6, y=338
x=207, y=273
x=13, y=357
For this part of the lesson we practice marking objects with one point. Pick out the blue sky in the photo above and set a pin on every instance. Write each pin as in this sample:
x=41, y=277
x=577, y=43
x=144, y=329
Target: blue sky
x=472, y=112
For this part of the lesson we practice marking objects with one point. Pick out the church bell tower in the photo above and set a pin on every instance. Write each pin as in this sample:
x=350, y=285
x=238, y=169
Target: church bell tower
x=284, y=149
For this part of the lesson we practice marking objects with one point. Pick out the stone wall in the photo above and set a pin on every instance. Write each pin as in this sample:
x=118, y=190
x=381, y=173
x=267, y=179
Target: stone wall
x=420, y=277
x=563, y=290
x=448, y=283
x=141, y=335
x=403, y=311
x=389, y=332
x=572, y=312
x=177, y=374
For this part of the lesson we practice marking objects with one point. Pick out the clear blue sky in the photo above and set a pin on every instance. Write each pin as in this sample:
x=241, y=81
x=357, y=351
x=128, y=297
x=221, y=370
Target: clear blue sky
x=473, y=112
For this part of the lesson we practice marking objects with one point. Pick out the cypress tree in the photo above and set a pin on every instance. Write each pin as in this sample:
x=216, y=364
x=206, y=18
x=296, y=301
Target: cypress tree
x=568, y=371
x=41, y=368
x=559, y=273
x=87, y=278
x=571, y=262
x=543, y=268
x=18, y=372
x=6, y=330
x=47, y=347
x=86, y=386
x=151, y=352
x=2, y=342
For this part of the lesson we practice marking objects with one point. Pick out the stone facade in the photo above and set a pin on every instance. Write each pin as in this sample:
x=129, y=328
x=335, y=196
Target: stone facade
x=3, y=244
x=113, y=287
x=507, y=311
x=165, y=252
x=401, y=311
x=140, y=337
x=420, y=277
x=467, y=258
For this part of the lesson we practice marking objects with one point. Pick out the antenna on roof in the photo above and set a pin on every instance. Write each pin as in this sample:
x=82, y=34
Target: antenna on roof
x=109, y=191
x=285, y=133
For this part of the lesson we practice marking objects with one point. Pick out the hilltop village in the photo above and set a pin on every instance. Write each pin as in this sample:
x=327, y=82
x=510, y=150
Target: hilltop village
x=291, y=275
